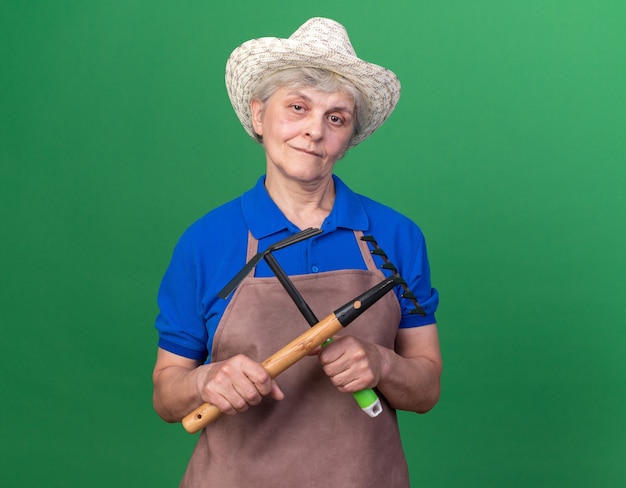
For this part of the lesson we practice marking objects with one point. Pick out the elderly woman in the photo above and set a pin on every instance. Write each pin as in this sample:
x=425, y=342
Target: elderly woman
x=307, y=99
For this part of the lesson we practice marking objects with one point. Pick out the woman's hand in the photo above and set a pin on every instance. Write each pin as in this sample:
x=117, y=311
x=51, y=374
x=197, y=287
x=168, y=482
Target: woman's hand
x=182, y=384
x=408, y=377
x=236, y=384
x=351, y=363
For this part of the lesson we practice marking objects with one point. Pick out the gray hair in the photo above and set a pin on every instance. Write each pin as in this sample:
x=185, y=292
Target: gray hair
x=320, y=79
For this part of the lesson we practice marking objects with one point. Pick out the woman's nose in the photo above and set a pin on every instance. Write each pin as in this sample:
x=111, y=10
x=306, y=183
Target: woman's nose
x=314, y=127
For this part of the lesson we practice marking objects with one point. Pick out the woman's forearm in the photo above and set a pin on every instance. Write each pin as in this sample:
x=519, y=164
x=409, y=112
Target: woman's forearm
x=411, y=384
x=176, y=392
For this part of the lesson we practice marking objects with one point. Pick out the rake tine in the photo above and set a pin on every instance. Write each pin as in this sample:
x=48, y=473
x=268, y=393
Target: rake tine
x=402, y=282
x=232, y=284
x=300, y=236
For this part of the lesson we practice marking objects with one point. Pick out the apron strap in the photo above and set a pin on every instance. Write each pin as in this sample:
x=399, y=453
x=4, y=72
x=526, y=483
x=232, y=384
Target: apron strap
x=253, y=246
x=365, y=251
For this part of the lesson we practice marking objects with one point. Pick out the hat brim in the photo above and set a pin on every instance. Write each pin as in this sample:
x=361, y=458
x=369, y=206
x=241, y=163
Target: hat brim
x=258, y=58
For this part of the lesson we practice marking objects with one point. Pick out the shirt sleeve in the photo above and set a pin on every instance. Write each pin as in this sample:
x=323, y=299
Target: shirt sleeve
x=180, y=323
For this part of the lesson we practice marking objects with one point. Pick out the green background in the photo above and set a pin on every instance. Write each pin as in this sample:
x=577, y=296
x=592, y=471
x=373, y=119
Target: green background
x=507, y=147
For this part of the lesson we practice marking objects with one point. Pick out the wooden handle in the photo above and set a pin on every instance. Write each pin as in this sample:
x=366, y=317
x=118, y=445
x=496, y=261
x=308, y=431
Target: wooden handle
x=302, y=345
x=278, y=362
x=201, y=417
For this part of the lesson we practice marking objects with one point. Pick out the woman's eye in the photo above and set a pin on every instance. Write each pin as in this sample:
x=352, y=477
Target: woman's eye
x=297, y=107
x=335, y=119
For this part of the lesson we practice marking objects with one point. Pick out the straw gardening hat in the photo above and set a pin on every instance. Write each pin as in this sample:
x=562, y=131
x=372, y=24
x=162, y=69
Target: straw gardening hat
x=318, y=43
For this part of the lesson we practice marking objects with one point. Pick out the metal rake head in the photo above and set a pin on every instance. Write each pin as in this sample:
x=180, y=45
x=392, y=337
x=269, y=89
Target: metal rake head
x=387, y=264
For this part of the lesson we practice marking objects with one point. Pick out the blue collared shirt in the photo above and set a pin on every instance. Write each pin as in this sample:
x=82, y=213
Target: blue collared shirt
x=213, y=250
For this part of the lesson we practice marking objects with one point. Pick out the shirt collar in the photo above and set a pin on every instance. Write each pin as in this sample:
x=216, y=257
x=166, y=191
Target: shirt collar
x=264, y=218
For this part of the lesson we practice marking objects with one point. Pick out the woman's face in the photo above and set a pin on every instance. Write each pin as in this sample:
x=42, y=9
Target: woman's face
x=305, y=132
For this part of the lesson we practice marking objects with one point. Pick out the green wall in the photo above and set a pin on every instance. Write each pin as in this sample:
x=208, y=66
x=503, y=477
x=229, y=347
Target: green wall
x=508, y=147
